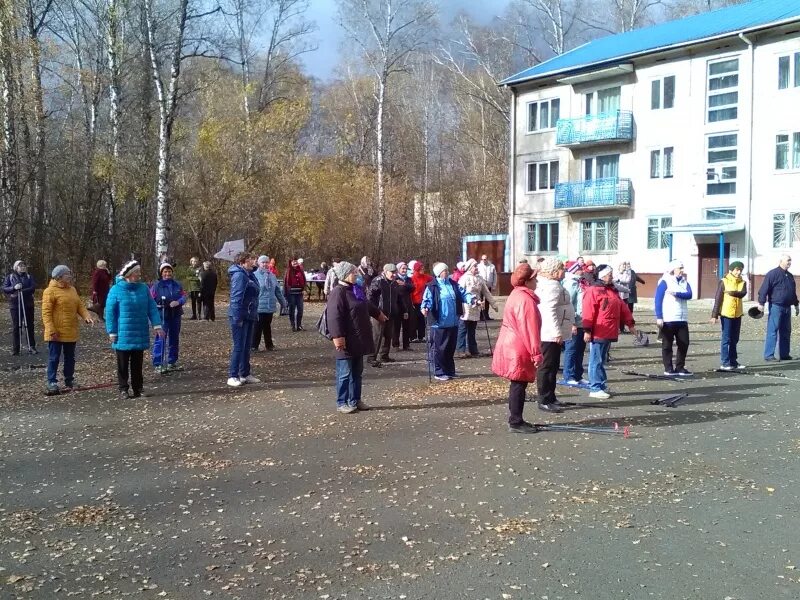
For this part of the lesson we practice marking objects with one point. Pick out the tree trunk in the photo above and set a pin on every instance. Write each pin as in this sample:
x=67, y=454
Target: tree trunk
x=9, y=165
x=112, y=41
x=380, y=205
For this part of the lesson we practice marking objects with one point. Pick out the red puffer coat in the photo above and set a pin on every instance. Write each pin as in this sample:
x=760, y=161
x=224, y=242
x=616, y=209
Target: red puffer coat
x=603, y=310
x=519, y=343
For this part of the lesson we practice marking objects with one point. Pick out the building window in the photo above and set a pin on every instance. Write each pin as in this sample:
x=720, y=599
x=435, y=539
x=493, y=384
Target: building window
x=601, y=167
x=720, y=214
x=603, y=101
x=786, y=230
x=657, y=238
x=662, y=93
x=721, y=169
x=542, y=237
x=661, y=163
x=789, y=71
x=787, y=151
x=542, y=176
x=543, y=114
x=600, y=236
x=723, y=90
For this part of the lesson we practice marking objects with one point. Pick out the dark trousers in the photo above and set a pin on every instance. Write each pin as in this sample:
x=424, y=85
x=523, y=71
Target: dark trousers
x=420, y=322
x=129, y=365
x=466, y=337
x=516, y=402
x=295, y=301
x=621, y=322
x=197, y=305
x=27, y=329
x=731, y=328
x=444, y=350
x=263, y=326
x=676, y=332
x=547, y=374
x=574, y=350
x=208, y=307
x=404, y=330
x=55, y=350
x=382, y=336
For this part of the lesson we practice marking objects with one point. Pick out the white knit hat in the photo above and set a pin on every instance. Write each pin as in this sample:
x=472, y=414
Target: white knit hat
x=440, y=268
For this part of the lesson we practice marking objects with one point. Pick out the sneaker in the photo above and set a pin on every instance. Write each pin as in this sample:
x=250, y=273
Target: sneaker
x=726, y=368
x=572, y=382
x=362, y=405
x=441, y=378
x=684, y=373
x=175, y=367
x=670, y=373
x=583, y=381
x=250, y=379
x=234, y=381
x=552, y=407
x=52, y=389
x=300, y=328
x=123, y=395
x=69, y=386
x=388, y=359
x=770, y=358
x=600, y=395
x=740, y=366
x=523, y=427
x=140, y=394
x=376, y=364
x=346, y=409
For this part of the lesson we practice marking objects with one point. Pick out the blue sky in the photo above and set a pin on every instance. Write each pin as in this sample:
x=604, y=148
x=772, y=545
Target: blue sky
x=328, y=37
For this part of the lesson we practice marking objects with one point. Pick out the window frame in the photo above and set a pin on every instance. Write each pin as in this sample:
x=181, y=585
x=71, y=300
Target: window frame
x=550, y=114
x=792, y=151
x=718, y=181
x=665, y=167
x=792, y=70
x=537, y=165
x=663, y=242
x=791, y=220
x=592, y=161
x=594, y=227
x=532, y=227
x=659, y=97
x=707, y=212
x=721, y=91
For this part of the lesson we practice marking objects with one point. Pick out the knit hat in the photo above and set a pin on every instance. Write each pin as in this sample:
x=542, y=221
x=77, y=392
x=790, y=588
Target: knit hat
x=603, y=270
x=440, y=268
x=550, y=265
x=101, y=264
x=129, y=267
x=412, y=264
x=401, y=264
x=460, y=265
x=343, y=269
x=19, y=263
x=391, y=267
x=300, y=261
x=162, y=266
x=574, y=266
x=469, y=264
x=60, y=271
x=263, y=259
x=521, y=275
x=674, y=264
x=736, y=265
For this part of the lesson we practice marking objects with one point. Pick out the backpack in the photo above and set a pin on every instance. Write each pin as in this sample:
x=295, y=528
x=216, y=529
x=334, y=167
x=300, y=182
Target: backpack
x=322, y=324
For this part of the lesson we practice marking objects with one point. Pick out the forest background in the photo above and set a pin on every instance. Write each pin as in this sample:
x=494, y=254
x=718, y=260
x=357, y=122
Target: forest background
x=144, y=127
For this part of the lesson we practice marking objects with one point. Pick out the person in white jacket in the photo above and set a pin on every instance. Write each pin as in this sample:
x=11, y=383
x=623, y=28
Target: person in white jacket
x=474, y=284
x=488, y=272
x=558, y=325
x=330, y=279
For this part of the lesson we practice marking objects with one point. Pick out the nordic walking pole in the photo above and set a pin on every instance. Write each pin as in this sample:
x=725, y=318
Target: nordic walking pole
x=164, y=328
x=429, y=347
x=23, y=322
x=488, y=339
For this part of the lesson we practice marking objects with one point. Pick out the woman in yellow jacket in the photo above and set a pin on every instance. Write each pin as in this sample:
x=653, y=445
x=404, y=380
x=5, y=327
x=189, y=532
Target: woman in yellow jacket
x=61, y=307
x=728, y=306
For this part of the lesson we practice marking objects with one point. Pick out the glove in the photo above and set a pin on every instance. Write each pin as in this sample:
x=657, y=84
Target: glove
x=797, y=311
x=18, y=286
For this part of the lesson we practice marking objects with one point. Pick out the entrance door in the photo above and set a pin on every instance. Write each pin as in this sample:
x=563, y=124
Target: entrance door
x=495, y=250
x=708, y=275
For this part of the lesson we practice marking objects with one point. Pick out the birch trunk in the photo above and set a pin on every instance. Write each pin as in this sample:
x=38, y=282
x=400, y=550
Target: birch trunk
x=9, y=191
x=112, y=42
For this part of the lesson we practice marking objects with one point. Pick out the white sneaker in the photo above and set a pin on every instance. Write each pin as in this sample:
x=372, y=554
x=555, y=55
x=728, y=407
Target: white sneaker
x=725, y=368
x=572, y=382
x=234, y=381
x=740, y=366
x=600, y=395
x=250, y=379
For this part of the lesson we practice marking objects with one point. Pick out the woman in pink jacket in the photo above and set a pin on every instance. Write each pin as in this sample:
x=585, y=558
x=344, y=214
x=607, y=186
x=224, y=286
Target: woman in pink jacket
x=518, y=351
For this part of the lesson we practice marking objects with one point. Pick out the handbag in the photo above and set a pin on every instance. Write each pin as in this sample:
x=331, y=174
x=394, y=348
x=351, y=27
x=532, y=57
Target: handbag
x=94, y=306
x=322, y=324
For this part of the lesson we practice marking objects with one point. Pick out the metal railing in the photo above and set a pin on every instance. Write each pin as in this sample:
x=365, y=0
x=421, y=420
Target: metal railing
x=595, y=193
x=616, y=126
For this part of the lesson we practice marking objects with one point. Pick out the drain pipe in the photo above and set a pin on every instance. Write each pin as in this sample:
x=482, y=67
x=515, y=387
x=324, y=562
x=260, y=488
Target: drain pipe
x=512, y=180
x=748, y=227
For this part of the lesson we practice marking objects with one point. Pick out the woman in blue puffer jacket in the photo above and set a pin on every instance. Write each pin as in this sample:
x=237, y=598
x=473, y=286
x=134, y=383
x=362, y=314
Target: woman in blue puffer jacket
x=242, y=314
x=269, y=293
x=130, y=311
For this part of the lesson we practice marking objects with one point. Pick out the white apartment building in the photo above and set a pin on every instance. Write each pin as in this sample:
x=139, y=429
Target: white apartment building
x=680, y=140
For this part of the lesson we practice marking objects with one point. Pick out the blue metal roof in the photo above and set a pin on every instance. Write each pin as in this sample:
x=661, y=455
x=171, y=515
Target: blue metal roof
x=733, y=19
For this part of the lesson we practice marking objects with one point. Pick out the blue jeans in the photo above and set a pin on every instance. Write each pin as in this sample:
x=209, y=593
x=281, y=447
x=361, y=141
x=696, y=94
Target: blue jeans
x=729, y=357
x=348, y=380
x=779, y=330
x=295, y=302
x=466, y=337
x=597, y=368
x=54, y=351
x=240, y=353
x=172, y=328
x=574, y=349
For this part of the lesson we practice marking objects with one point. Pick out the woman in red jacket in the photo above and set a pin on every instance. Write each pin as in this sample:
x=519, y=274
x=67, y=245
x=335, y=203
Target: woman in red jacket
x=518, y=351
x=419, y=280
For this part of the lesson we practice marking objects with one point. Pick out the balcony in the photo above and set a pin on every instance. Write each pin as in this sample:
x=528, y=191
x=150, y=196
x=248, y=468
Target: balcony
x=609, y=192
x=593, y=130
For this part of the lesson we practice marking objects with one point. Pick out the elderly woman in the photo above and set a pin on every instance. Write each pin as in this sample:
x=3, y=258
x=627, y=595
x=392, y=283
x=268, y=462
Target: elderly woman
x=130, y=310
x=558, y=326
x=61, y=307
x=518, y=351
x=475, y=285
x=348, y=318
x=100, y=286
x=170, y=298
x=444, y=301
x=294, y=282
x=243, y=315
x=269, y=295
x=19, y=288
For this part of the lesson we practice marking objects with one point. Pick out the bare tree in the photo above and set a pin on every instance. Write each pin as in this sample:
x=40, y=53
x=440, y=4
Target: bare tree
x=557, y=18
x=388, y=32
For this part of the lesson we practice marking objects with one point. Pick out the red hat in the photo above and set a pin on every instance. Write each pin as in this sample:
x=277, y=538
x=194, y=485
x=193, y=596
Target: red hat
x=522, y=274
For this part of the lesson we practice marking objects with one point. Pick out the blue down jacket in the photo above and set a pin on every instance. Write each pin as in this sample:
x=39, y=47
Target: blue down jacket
x=244, y=295
x=130, y=310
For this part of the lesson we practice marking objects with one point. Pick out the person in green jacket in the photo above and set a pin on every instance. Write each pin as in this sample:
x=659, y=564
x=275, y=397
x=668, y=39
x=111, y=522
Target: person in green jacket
x=193, y=281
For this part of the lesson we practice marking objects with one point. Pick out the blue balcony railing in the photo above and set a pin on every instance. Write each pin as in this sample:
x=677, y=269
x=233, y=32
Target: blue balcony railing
x=601, y=128
x=609, y=192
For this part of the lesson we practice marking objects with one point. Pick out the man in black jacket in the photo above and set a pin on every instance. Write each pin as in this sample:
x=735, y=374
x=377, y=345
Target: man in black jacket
x=780, y=291
x=208, y=288
x=384, y=294
x=19, y=288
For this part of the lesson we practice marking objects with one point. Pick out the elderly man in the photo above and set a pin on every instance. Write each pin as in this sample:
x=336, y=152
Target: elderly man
x=672, y=316
x=488, y=273
x=780, y=291
x=384, y=293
